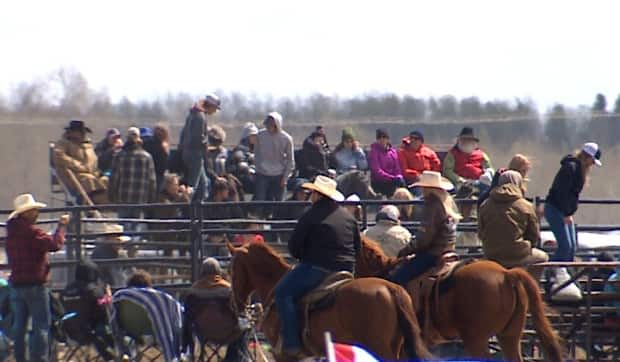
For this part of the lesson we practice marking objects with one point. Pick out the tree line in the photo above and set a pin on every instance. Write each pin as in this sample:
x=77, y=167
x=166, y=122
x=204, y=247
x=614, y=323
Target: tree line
x=67, y=93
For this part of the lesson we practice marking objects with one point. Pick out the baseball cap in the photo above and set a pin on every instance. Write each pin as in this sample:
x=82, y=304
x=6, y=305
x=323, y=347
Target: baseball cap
x=133, y=132
x=594, y=151
x=113, y=132
x=213, y=100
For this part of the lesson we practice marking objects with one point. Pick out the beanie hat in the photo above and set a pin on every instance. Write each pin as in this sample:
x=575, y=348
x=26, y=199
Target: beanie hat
x=417, y=134
x=348, y=134
x=381, y=132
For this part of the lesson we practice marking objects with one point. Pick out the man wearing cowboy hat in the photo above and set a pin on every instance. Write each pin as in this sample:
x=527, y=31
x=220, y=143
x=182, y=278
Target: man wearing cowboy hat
x=326, y=240
x=109, y=246
x=27, y=249
x=76, y=163
x=465, y=163
x=193, y=144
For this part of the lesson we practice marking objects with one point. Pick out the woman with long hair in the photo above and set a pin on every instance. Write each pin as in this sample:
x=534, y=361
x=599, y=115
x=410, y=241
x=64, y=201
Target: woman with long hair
x=560, y=206
x=437, y=234
x=406, y=210
x=348, y=155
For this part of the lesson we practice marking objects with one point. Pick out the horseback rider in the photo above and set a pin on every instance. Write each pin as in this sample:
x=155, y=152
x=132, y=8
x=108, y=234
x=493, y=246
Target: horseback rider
x=436, y=235
x=326, y=240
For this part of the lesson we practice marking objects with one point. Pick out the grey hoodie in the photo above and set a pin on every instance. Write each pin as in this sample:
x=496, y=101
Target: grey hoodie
x=274, y=152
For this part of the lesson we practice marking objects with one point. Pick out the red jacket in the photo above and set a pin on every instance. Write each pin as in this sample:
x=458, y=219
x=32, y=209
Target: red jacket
x=469, y=166
x=413, y=162
x=26, y=248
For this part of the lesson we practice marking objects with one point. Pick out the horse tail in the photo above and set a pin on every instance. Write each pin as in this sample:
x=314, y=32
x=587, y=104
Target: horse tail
x=548, y=337
x=408, y=323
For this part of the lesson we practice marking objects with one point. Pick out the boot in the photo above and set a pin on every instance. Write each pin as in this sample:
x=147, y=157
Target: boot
x=570, y=293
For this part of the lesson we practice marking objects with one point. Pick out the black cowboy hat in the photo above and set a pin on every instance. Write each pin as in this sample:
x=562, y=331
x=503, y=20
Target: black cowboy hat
x=468, y=133
x=77, y=125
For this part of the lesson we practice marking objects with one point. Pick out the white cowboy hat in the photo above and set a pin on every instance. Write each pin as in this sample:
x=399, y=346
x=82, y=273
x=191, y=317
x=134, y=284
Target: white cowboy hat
x=325, y=186
x=23, y=203
x=115, y=232
x=434, y=180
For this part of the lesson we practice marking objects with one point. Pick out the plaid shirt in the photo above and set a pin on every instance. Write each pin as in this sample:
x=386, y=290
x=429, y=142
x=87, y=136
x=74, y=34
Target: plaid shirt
x=133, y=178
x=27, y=247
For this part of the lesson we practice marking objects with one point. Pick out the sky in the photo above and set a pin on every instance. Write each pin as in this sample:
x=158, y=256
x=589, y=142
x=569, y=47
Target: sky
x=549, y=51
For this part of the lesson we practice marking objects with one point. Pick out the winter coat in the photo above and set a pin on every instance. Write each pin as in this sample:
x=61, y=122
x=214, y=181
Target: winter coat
x=274, y=153
x=158, y=152
x=193, y=140
x=392, y=237
x=79, y=158
x=384, y=164
x=346, y=160
x=315, y=160
x=326, y=236
x=414, y=162
x=437, y=232
x=507, y=225
x=566, y=187
x=459, y=166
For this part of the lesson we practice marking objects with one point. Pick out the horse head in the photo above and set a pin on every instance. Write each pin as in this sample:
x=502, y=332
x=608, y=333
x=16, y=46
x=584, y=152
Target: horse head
x=372, y=261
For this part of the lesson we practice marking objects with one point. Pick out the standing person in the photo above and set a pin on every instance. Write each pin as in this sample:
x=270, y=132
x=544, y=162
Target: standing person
x=107, y=148
x=133, y=179
x=193, y=143
x=326, y=240
x=241, y=161
x=217, y=153
x=385, y=173
x=348, y=155
x=27, y=249
x=437, y=235
x=560, y=206
x=158, y=146
x=274, y=159
x=416, y=157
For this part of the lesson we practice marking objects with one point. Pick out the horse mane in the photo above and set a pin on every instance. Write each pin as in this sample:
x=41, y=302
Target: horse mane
x=372, y=260
x=265, y=260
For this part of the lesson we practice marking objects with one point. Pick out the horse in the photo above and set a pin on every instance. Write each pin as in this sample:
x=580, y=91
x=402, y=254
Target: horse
x=356, y=182
x=371, y=311
x=485, y=300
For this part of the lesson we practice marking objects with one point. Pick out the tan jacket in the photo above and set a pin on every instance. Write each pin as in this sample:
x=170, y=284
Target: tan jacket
x=79, y=158
x=507, y=225
x=392, y=237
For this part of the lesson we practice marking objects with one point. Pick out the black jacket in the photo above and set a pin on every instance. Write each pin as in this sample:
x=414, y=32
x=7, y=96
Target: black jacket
x=160, y=158
x=326, y=236
x=566, y=187
x=315, y=160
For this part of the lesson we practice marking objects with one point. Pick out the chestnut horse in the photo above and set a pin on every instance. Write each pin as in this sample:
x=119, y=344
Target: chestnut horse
x=372, y=312
x=486, y=300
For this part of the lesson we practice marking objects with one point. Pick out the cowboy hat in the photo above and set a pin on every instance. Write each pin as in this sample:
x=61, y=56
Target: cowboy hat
x=467, y=133
x=77, y=125
x=325, y=186
x=23, y=203
x=113, y=232
x=434, y=180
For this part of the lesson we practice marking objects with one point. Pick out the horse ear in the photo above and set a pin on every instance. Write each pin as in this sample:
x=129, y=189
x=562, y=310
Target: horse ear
x=230, y=247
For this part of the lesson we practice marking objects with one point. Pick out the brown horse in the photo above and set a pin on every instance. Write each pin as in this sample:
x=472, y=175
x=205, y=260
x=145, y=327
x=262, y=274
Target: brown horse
x=372, y=312
x=486, y=300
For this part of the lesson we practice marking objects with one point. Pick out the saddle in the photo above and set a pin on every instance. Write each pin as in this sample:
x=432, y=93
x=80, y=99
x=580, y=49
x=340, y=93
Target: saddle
x=426, y=289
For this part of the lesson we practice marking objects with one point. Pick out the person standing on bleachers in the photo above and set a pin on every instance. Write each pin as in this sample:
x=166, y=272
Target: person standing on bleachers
x=27, y=249
x=158, y=146
x=107, y=148
x=75, y=160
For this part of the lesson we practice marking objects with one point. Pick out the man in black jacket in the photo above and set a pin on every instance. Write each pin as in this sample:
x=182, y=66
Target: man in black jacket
x=326, y=240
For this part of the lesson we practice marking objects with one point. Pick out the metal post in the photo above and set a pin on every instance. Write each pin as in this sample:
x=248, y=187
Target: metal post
x=194, y=235
x=364, y=215
x=589, y=316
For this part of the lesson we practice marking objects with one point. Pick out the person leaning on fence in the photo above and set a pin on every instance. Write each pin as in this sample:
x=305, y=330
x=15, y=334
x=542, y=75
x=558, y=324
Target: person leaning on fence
x=105, y=150
x=220, y=193
x=171, y=193
x=193, y=145
x=416, y=157
x=385, y=173
x=91, y=299
x=75, y=163
x=133, y=179
x=508, y=226
x=274, y=159
x=27, y=249
x=348, y=155
x=240, y=162
x=436, y=235
x=560, y=206
x=285, y=211
x=388, y=232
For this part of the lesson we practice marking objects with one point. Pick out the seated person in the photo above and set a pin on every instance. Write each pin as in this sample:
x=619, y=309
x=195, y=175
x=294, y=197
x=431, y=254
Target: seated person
x=75, y=161
x=385, y=173
x=517, y=163
x=217, y=154
x=388, y=232
x=203, y=315
x=508, y=226
x=315, y=156
x=348, y=155
x=416, y=157
x=354, y=209
x=111, y=247
x=91, y=300
x=466, y=164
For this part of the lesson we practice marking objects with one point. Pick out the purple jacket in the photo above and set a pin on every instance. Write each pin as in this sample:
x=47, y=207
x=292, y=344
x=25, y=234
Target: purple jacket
x=384, y=165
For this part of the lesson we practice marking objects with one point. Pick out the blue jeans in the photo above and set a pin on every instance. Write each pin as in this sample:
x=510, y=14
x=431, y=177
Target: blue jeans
x=197, y=176
x=565, y=234
x=268, y=188
x=413, y=268
x=31, y=302
x=294, y=285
